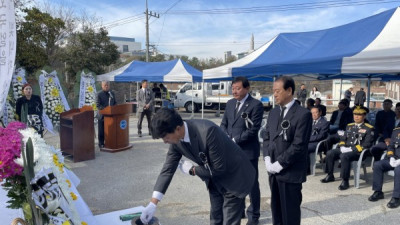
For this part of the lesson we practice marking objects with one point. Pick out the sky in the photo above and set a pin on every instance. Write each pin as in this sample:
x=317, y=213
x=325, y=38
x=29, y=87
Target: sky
x=208, y=28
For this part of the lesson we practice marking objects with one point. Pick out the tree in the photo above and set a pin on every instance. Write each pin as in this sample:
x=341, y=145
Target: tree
x=36, y=39
x=90, y=50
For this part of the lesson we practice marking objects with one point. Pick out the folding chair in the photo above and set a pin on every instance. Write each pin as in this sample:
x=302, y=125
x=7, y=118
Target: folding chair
x=357, y=167
x=313, y=156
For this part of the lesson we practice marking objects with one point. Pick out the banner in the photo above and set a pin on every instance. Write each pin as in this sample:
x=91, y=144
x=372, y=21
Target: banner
x=53, y=98
x=7, y=48
x=87, y=92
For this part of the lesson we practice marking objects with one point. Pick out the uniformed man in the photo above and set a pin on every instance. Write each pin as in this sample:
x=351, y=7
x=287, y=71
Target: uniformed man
x=357, y=137
x=391, y=162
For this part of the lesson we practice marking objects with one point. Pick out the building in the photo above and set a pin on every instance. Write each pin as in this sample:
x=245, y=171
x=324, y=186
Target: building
x=126, y=45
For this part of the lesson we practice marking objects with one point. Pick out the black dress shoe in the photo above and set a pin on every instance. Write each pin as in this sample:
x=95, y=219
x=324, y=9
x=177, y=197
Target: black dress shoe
x=253, y=222
x=140, y=134
x=344, y=185
x=376, y=196
x=101, y=146
x=328, y=178
x=394, y=203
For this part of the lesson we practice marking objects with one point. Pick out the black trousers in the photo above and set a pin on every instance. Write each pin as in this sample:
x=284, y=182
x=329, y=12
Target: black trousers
x=285, y=202
x=226, y=209
x=345, y=158
x=146, y=112
x=100, y=132
x=380, y=167
x=253, y=211
x=377, y=150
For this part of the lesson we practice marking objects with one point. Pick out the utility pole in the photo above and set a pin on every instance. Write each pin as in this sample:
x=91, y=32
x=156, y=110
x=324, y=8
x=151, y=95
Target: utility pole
x=148, y=15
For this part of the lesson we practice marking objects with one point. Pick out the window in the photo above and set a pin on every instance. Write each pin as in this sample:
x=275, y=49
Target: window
x=125, y=48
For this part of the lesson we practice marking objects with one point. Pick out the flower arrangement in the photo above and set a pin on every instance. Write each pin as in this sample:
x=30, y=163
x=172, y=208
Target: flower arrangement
x=18, y=82
x=48, y=188
x=90, y=97
x=53, y=105
x=9, y=113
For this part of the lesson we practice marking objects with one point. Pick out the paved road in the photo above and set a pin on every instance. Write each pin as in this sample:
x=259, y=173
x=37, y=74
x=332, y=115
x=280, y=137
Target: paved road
x=115, y=181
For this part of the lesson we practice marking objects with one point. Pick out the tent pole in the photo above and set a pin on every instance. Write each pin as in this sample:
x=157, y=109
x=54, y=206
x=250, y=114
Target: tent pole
x=202, y=99
x=192, y=116
x=219, y=100
x=273, y=97
x=369, y=91
x=341, y=85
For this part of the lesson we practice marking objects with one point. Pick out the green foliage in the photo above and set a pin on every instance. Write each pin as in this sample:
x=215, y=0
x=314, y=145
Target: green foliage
x=91, y=50
x=36, y=39
x=16, y=191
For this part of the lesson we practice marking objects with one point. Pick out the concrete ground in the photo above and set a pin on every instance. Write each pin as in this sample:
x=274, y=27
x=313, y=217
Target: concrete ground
x=115, y=181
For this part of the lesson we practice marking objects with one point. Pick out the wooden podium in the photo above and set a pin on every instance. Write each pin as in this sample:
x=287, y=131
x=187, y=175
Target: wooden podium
x=116, y=127
x=77, y=133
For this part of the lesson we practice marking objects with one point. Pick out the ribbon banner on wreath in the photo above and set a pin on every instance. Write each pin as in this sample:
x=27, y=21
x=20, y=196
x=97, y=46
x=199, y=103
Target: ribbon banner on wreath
x=8, y=113
x=8, y=43
x=53, y=98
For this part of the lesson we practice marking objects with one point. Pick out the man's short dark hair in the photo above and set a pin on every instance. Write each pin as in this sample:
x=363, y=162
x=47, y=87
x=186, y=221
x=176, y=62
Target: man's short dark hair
x=310, y=101
x=398, y=104
x=388, y=100
x=165, y=122
x=144, y=81
x=318, y=99
x=288, y=82
x=345, y=102
x=244, y=80
x=317, y=107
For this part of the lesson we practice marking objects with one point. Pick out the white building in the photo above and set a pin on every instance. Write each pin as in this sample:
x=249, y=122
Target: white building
x=126, y=45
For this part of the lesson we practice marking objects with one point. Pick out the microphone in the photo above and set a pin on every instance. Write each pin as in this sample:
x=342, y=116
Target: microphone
x=110, y=94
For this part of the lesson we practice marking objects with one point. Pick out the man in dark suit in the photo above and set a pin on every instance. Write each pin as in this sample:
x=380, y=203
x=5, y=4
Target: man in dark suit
x=360, y=97
x=222, y=165
x=104, y=98
x=322, y=107
x=302, y=95
x=241, y=122
x=385, y=122
x=341, y=117
x=319, y=130
x=145, y=98
x=285, y=152
x=348, y=93
x=358, y=136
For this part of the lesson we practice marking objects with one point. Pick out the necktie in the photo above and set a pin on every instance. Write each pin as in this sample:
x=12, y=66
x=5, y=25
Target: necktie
x=281, y=115
x=315, y=122
x=237, y=107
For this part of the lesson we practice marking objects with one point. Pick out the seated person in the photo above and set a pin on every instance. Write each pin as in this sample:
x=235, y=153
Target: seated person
x=339, y=120
x=384, y=138
x=310, y=103
x=357, y=137
x=341, y=117
x=319, y=131
x=318, y=102
x=391, y=162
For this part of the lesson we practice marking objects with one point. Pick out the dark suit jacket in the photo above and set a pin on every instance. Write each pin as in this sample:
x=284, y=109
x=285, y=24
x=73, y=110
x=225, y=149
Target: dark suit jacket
x=231, y=170
x=384, y=123
x=104, y=99
x=320, y=130
x=291, y=154
x=347, y=117
x=302, y=94
x=359, y=99
x=235, y=127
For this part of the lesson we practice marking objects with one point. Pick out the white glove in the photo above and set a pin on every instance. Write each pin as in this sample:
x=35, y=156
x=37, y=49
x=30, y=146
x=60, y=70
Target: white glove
x=394, y=163
x=340, y=132
x=345, y=149
x=276, y=167
x=268, y=164
x=148, y=212
x=185, y=166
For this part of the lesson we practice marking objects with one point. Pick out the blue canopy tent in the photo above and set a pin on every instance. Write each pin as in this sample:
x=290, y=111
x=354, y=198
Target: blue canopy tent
x=368, y=48
x=168, y=71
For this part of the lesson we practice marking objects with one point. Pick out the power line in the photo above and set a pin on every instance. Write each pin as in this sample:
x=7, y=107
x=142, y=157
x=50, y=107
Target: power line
x=166, y=11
